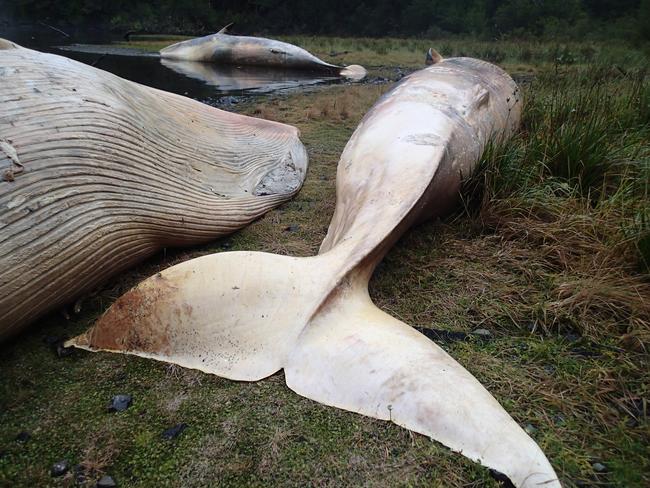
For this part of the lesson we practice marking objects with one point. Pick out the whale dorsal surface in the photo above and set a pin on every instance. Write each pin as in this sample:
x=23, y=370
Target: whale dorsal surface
x=97, y=173
x=246, y=315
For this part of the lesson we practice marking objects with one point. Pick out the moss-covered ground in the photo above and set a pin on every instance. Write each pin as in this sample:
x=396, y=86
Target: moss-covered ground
x=548, y=252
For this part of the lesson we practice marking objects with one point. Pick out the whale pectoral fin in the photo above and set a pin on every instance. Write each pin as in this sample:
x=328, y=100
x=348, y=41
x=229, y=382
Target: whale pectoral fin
x=228, y=314
x=224, y=29
x=356, y=357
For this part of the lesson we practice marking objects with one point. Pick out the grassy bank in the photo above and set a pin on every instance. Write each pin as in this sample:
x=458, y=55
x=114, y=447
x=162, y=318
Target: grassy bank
x=548, y=252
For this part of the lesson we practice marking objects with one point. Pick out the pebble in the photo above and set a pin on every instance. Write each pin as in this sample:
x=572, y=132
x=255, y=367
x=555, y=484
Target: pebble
x=56, y=343
x=106, y=482
x=550, y=369
x=23, y=436
x=599, y=467
x=119, y=403
x=559, y=419
x=60, y=468
x=80, y=473
x=174, y=431
x=530, y=429
x=484, y=333
x=572, y=337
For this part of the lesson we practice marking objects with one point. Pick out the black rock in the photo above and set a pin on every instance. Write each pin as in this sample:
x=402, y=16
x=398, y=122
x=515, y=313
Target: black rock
x=174, y=431
x=501, y=478
x=572, y=337
x=80, y=473
x=292, y=228
x=550, y=369
x=106, y=482
x=51, y=340
x=63, y=351
x=56, y=343
x=60, y=468
x=443, y=335
x=23, y=436
x=119, y=403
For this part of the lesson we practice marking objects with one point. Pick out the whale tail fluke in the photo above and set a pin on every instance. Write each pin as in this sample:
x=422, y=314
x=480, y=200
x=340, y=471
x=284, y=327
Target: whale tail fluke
x=246, y=315
x=433, y=57
x=353, y=72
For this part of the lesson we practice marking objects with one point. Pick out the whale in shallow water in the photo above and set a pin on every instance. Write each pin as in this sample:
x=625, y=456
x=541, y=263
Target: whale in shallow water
x=97, y=173
x=247, y=315
x=223, y=48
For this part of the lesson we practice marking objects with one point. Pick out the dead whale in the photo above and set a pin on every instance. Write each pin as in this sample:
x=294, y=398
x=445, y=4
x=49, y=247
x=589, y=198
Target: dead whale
x=97, y=173
x=246, y=315
x=224, y=48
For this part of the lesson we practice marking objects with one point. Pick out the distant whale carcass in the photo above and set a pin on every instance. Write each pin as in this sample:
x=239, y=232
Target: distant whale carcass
x=224, y=48
x=97, y=173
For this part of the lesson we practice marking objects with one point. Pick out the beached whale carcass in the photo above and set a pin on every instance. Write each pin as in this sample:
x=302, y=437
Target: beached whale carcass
x=246, y=315
x=224, y=48
x=97, y=172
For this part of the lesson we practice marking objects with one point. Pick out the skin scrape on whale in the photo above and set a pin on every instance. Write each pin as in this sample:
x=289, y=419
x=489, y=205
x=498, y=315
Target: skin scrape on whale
x=285, y=178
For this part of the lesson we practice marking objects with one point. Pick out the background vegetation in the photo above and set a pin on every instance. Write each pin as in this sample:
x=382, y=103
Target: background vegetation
x=577, y=19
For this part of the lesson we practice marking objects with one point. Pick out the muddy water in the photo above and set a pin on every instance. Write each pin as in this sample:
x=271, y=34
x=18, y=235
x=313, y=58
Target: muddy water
x=202, y=81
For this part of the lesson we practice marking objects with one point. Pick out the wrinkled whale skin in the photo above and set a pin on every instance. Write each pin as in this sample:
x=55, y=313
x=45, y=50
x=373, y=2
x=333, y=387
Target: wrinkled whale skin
x=97, y=173
x=246, y=315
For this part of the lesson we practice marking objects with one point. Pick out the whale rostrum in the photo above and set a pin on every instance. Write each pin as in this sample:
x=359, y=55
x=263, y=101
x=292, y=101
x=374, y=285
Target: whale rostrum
x=247, y=315
x=97, y=173
x=223, y=48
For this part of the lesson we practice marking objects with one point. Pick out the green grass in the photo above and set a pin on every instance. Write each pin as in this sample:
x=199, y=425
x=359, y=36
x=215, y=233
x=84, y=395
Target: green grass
x=546, y=252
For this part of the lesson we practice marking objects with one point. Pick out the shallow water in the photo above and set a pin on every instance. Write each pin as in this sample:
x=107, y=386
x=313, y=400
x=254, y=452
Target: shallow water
x=202, y=81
